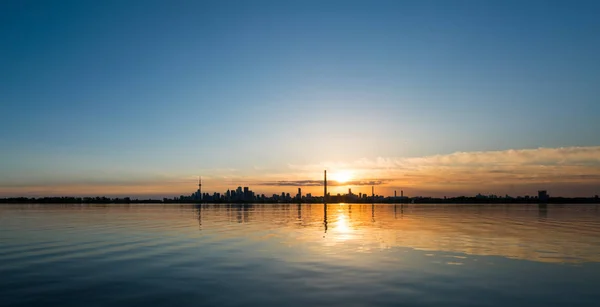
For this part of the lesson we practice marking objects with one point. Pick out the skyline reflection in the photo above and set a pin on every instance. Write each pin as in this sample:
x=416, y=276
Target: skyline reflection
x=550, y=233
x=543, y=233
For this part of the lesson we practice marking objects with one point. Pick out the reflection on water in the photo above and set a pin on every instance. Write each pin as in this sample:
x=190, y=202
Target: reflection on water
x=566, y=234
x=299, y=254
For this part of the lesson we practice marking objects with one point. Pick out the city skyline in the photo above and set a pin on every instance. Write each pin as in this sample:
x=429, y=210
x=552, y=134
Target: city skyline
x=246, y=195
x=568, y=172
x=433, y=97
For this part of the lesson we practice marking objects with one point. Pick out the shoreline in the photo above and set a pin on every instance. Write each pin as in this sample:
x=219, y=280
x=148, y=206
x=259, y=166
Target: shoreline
x=415, y=201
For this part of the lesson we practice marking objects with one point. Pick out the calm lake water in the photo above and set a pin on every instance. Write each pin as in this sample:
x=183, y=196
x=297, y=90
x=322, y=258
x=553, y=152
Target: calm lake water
x=299, y=255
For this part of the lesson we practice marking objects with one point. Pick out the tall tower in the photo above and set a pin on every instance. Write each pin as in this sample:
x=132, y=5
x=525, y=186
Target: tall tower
x=325, y=192
x=373, y=192
x=199, y=187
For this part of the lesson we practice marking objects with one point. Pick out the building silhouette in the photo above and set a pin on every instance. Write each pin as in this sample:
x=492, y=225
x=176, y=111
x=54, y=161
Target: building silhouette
x=543, y=196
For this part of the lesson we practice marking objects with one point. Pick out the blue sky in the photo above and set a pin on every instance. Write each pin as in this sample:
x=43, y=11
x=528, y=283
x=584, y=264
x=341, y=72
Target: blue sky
x=125, y=92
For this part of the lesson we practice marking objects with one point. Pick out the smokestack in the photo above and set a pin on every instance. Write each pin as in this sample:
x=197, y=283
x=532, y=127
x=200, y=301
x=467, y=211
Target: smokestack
x=325, y=192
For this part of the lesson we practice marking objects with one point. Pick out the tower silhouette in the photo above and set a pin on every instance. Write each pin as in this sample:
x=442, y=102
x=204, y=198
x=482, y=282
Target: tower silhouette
x=373, y=192
x=325, y=191
x=200, y=188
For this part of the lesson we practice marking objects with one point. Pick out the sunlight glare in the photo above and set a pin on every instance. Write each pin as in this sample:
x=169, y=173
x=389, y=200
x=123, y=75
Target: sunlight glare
x=342, y=176
x=342, y=227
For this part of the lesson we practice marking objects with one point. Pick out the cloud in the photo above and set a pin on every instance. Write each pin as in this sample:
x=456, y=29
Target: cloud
x=572, y=165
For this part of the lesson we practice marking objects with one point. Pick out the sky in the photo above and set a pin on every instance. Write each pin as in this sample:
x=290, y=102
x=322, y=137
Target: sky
x=429, y=97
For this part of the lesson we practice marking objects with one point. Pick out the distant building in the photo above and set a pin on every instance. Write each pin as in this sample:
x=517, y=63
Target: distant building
x=246, y=194
x=543, y=196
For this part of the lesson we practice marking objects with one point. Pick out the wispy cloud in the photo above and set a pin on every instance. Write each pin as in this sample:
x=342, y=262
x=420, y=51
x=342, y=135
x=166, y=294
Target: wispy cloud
x=526, y=166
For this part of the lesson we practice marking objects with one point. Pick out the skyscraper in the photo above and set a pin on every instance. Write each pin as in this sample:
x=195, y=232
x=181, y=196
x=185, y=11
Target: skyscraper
x=543, y=196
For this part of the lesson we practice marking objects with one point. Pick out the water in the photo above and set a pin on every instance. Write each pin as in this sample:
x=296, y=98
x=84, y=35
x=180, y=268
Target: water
x=292, y=255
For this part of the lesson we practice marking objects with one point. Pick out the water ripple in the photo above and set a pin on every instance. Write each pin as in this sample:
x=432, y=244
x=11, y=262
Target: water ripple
x=298, y=255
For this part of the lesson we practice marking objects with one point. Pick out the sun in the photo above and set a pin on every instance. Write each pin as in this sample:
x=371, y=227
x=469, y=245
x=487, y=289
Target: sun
x=342, y=176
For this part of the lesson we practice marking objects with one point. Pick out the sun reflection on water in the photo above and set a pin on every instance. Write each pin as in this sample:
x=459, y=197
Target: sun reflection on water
x=342, y=228
x=554, y=233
